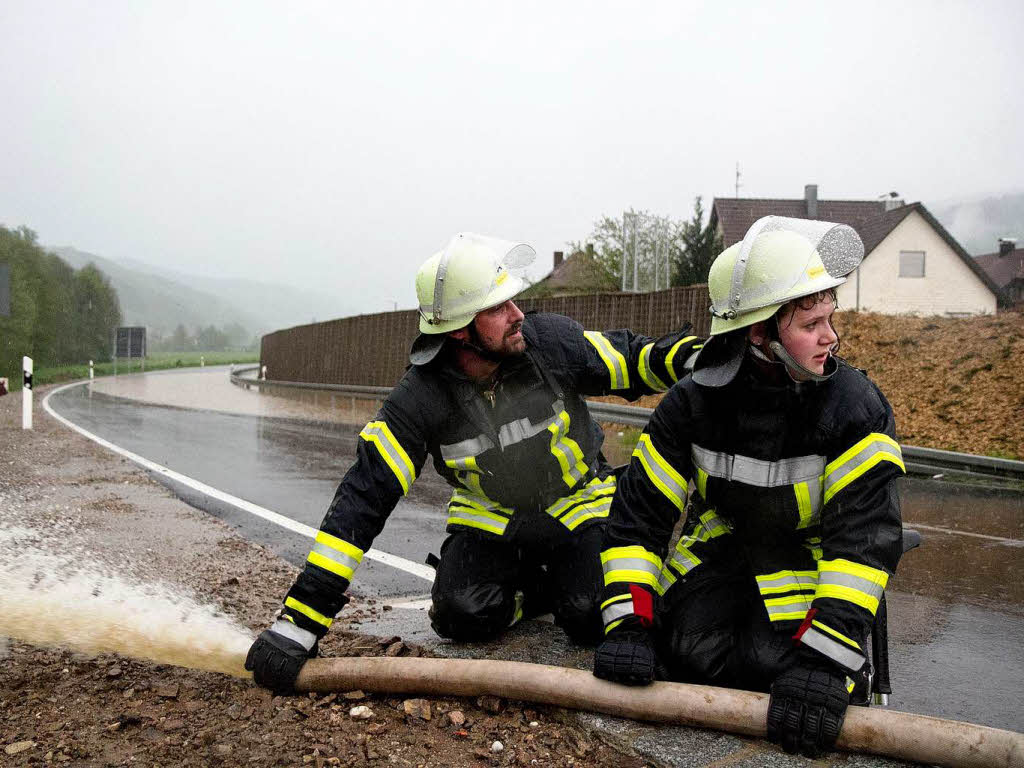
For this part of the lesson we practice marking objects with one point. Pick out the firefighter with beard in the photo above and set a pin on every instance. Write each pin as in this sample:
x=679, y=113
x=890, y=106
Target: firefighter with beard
x=793, y=529
x=497, y=400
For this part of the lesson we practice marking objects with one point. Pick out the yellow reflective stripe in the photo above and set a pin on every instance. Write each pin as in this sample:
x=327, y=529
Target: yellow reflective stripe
x=776, y=607
x=838, y=635
x=466, y=463
x=713, y=526
x=476, y=524
x=853, y=582
x=661, y=473
x=702, y=483
x=483, y=505
x=391, y=451
x=323, y=537
x=567, y=451
x=618, y=371
x=632, y=551
x=616, y=599
x=481, y=512
x=870, y=451
x=671, y=356
x=787, y=581
x=646, y=373
x=612, y=626
x=305, y=610
x=339, y=569
x=803, y=503
x=631, y=577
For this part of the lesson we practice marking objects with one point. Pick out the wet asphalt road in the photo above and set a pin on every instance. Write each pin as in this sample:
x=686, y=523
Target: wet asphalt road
x=956, y=605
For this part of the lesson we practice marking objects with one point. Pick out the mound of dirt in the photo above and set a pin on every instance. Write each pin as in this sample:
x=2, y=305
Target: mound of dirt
x=956, y=384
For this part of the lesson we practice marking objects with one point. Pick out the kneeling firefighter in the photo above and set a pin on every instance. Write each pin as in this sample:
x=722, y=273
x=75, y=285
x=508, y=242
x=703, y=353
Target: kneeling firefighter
x=496, y=399
x=794, y=528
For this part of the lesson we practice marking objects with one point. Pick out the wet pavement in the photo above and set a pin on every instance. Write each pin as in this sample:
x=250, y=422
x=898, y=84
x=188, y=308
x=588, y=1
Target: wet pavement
x=956, y=604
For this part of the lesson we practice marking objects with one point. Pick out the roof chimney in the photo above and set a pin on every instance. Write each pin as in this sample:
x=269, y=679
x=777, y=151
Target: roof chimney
x=559, y=258
x=1007, y=245
x=893, y=201
x=811, y=198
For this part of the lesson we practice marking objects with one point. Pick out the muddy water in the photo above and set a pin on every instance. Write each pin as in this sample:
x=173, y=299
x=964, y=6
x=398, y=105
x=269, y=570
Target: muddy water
x=63, y=600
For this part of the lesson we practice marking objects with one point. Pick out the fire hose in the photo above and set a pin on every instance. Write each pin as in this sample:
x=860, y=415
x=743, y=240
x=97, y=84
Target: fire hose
x=888, y=733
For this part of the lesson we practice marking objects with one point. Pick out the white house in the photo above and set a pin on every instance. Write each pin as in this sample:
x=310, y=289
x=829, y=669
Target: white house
x=912, y=265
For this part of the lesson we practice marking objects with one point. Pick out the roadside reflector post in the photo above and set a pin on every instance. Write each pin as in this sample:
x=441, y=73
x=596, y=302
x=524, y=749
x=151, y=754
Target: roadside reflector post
x=91, y=376
x=263, y=373
x=26, y=393
x=202, y=361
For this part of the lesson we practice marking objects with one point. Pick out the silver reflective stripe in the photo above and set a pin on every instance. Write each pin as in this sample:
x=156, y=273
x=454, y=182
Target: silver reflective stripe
x=851, y=465
x=682, y=563
x=866, y=586
x=303, y=637
x=387, y=443
x=523, y=429
x=587, y=493
x=654, y=468
x=631, y=564
x=839, y=653
x=597, y=508
x=474, y=520
x=333, y=554
x=472, y=500
x=758, y=472
x=792, y=580
x=803, y=606
x=617, y=611
x=612, y=358
x=464, y=449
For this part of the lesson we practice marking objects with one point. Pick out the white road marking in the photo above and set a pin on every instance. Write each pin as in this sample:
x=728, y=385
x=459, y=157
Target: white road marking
x=422, y=571
x=1000, y=539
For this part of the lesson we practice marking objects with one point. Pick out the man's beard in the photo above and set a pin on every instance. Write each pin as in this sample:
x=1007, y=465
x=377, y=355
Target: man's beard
x=497, y=352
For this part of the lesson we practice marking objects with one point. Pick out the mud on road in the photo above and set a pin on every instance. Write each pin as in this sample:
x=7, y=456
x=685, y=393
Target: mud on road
x=88, y=514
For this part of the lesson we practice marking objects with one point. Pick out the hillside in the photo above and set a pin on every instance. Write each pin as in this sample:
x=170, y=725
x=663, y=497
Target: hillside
x=954, y=383
x=161, y=298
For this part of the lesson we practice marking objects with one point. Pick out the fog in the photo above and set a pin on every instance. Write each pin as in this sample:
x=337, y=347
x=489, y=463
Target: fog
x=335, y=146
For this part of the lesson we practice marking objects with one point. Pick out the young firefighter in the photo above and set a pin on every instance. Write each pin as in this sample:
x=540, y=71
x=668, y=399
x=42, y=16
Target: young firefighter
x=794, y=528
x=496, y=399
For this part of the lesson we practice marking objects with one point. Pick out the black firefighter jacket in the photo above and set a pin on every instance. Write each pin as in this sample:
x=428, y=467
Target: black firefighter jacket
x=797, y=480
x=528, y=447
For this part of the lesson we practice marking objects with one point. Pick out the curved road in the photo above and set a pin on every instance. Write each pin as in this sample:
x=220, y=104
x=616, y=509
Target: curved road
x=956, y=604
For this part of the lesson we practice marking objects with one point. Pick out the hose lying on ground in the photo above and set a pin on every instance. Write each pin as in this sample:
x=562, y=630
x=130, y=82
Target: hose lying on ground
x=889, y=733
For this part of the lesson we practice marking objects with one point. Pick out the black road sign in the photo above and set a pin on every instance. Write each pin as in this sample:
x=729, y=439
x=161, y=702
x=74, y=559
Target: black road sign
x=131, y=341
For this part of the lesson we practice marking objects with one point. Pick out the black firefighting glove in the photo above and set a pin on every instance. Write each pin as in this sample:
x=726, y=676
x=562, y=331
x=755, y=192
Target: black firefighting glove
x=626, y=655
x=278, y=654
x=807, y=705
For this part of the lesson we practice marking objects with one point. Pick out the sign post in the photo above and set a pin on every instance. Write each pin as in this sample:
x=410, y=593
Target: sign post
x=130, y=341
x=26, y=393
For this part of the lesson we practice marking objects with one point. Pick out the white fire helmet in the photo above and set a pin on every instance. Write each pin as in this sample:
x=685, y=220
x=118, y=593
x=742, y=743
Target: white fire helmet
x=471, y=274
x=778, y=260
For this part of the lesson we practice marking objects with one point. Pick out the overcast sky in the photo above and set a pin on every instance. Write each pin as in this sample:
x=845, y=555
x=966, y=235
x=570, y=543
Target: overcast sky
x=335, y=146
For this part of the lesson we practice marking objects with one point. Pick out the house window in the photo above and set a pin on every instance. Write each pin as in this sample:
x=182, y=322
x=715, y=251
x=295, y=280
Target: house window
x=911, y=263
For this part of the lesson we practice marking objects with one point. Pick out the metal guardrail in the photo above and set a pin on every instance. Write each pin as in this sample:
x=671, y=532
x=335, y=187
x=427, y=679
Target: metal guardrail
x=919, y=461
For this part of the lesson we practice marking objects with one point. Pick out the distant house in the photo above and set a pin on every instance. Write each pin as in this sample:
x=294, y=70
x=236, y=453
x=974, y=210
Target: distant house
x=912, y=265
x=578, y=273
x=1006, y=269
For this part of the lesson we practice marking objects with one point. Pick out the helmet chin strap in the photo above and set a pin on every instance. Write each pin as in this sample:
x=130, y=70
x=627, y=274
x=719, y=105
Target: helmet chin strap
x=793, y=367
x=477, y=348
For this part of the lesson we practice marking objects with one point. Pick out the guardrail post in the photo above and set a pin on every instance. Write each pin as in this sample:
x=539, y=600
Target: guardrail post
x=26, y=393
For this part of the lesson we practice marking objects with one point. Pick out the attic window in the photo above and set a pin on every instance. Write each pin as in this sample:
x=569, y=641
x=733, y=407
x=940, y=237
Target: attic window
x=911, y=263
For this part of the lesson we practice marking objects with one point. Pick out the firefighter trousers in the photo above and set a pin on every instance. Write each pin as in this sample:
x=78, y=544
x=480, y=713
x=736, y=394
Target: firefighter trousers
x=484, y=584
x=713, y=630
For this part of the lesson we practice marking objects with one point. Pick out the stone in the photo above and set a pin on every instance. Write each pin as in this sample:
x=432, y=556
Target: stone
x=497, y=746
x=114, y=671
x=492, y=704
x=353, y=695
x=167, y=691
x=456, y=718
x=395, y=649
x=222, y=750
x=360, y=713
x=18, y=747
x=419, y=708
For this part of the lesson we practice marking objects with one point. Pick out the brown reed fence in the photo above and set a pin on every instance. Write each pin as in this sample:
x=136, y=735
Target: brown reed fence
x=373, y=349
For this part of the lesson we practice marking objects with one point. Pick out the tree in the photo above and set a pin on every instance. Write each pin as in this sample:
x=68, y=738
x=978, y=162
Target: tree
x=179, y=339
x=699, y=245
x=607, y=239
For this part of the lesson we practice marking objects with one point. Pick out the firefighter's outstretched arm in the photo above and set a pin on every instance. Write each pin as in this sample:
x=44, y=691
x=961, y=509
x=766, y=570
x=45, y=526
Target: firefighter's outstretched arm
x=390, y=453
x=629, y=365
